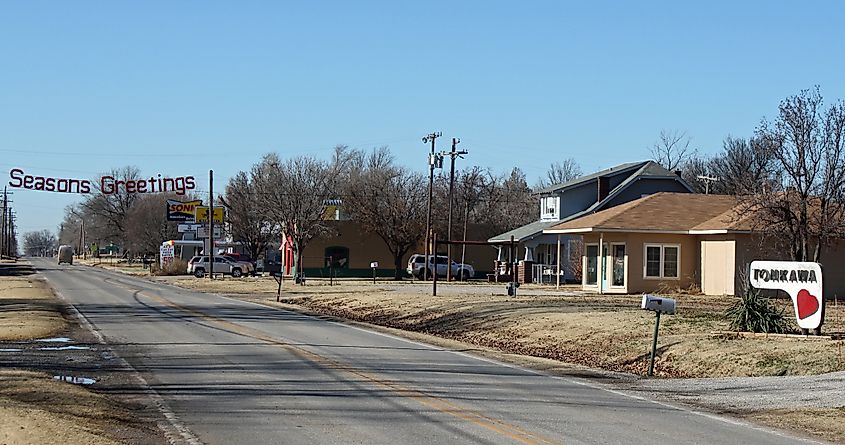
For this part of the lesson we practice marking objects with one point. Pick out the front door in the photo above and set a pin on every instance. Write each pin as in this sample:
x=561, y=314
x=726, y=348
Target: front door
x=618, y=265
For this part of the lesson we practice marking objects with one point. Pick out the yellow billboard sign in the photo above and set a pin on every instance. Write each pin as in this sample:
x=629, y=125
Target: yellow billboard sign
x=202, y=214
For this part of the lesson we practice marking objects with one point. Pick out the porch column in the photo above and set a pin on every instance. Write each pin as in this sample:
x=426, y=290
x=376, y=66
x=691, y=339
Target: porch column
x=529, y=254
x=601, y=263
x=557, y=266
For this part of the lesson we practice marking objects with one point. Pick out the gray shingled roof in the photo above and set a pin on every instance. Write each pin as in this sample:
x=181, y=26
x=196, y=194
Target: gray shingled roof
x=648, y=169
x=578, y=181
x=526, y=231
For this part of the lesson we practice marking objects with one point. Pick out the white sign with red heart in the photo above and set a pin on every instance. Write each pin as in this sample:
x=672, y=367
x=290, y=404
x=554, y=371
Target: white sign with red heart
x=802, y=281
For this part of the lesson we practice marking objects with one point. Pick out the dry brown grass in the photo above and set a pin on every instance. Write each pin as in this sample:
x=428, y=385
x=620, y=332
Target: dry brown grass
x=820, y=423
x=38, y=410
x=28, y=308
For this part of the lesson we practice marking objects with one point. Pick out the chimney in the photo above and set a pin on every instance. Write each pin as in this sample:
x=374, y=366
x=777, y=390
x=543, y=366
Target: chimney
x=604, y=188
x=678, y=172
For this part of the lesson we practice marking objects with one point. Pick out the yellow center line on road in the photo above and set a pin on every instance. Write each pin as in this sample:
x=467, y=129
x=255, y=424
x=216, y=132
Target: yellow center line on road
x=501, y=427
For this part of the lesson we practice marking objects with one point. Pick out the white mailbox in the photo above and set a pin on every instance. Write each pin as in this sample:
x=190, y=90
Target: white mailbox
x=658, y=304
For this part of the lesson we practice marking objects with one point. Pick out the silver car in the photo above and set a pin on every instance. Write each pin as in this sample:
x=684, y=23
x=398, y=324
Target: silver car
x=198, y=266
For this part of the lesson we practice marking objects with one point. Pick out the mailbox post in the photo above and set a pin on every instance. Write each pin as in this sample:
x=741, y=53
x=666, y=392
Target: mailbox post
x=374, y=266
x=658, y=305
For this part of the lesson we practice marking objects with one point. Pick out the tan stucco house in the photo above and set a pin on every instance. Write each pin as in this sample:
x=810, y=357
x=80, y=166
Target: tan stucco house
x=672, y=241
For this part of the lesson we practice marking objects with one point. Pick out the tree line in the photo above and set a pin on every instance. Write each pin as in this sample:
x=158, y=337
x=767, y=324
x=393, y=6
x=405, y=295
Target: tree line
x=291, y=196
x=789, y=175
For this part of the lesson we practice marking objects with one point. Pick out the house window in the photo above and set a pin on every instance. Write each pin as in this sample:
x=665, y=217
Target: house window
x=592, y=264
x=662, y=261
x=550, y=208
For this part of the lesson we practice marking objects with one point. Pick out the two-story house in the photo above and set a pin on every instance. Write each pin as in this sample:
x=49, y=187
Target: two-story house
x=578, y=197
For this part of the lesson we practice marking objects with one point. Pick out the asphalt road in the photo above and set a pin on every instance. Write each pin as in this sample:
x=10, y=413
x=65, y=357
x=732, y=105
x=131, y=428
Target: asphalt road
x=234, y=372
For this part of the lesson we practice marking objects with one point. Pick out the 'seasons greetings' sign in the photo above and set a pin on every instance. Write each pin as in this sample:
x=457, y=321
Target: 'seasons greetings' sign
x=802, y=281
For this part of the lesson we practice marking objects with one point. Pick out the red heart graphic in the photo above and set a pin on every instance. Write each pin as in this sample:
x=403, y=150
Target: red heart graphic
x=808, y=304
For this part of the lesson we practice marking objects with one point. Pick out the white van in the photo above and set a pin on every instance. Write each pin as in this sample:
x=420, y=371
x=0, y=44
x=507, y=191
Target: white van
x=65, y=254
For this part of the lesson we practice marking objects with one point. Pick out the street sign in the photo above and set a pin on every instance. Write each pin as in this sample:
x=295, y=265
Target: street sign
x=202, y=215
x=166, y=254
x=801, y=280
x=202, y=232
x=188, y=227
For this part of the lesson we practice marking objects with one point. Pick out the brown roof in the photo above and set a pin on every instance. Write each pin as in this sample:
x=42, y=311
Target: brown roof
x=660, y=212
x=737, y=218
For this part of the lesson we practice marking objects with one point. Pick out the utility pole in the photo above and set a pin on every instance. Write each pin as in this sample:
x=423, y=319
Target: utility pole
x=452, y=154
x=10, y=235
x=4, y=223
x=432, y=162
x=211, y=224
x=707, y=180
x=82, y=239
x=7, y=228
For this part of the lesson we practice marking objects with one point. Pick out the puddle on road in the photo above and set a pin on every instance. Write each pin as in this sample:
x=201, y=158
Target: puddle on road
x=65, y=348
x=55, y=340
x=74, y=380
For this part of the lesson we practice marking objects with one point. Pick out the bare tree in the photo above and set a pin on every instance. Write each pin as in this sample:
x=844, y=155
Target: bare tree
x=672, y=149
x=693, y=169
x=574, y=263
x=71, y=227
x=295, y=194
x=247, y=224
x=106, y=213
x=389, y=201
x=472, y=184
x=560, y=172
x=39, y=243
x=147, y=225
x=807, y=145
x=744, y=167
x=508, y=202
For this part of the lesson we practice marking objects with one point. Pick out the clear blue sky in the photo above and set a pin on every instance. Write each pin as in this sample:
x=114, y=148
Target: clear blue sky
x=178, y=88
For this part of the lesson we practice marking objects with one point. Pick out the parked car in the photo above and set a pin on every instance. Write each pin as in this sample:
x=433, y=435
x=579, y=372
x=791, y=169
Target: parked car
x=198, y=266
x=243, y=258
x=65, y=254
x=417, y=266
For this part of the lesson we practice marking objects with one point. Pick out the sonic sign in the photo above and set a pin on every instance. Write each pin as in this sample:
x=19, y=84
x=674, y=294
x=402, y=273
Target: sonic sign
x=803, y=283
x=182, y=211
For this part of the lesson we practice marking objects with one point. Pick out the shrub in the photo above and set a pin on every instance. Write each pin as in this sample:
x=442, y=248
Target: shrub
x=754, y=312
x=176, y=266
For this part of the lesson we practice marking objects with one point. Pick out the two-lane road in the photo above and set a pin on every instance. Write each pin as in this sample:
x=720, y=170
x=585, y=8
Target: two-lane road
x=234, y=372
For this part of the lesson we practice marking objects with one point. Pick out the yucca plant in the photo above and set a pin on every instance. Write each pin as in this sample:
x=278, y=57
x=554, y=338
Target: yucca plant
x=754, y=312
